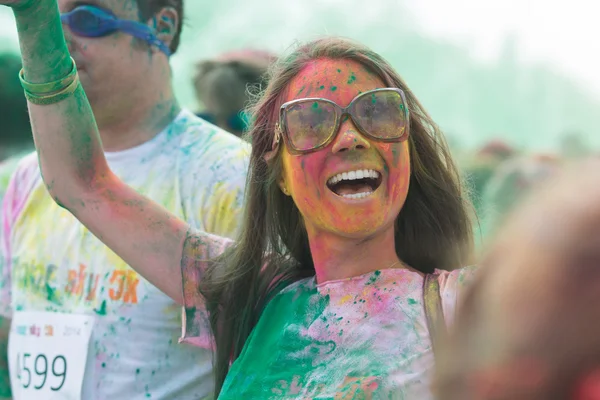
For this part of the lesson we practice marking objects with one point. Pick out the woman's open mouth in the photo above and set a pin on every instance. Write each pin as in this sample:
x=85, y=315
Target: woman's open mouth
x=356, y=184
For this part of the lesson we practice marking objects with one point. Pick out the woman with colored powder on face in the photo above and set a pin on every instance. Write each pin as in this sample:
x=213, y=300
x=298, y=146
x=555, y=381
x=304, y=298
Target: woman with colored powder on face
x=353, y=201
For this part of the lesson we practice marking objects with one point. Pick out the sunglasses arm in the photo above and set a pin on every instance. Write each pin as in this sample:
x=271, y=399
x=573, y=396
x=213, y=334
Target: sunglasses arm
x=142, y=32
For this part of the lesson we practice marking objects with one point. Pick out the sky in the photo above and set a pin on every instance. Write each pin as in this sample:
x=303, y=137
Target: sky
x=563, y=34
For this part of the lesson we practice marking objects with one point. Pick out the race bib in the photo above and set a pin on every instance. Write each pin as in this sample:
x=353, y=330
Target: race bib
x=47, y=354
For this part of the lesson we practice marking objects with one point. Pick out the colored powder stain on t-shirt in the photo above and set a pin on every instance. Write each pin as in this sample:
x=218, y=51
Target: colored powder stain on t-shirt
x=7, y=168
x=321, y=344
x=102, y=310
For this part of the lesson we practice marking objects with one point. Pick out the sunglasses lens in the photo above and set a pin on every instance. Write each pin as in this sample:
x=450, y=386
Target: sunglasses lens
x=382, y=114
x=310, y=124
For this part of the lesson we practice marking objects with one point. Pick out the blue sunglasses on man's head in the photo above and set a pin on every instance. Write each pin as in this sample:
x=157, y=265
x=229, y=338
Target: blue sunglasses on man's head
x=90, y=21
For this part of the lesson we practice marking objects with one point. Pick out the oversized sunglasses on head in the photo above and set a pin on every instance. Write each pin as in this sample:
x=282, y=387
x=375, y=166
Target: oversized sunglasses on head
x=90, y=21
x=311, y=124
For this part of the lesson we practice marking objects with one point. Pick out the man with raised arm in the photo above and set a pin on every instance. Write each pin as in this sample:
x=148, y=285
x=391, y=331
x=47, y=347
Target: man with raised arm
x=84, y=324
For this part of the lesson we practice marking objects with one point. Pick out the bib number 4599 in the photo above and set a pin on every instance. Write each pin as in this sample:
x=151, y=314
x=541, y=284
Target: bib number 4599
x=48, y=354
x=36, y=371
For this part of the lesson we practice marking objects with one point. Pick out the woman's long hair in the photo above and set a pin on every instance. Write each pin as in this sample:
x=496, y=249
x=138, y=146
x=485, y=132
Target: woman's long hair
x=432, y=231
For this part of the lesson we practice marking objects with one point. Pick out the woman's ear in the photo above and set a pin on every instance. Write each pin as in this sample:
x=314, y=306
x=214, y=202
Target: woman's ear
x=283, y=186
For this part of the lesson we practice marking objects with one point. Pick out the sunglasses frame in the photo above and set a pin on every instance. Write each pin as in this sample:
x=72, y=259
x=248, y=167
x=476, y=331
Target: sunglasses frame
x=281, y=128
x=110, y=24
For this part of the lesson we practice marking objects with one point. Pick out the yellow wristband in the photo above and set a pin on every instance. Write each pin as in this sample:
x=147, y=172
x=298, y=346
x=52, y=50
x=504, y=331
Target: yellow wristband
x=54, y=97
x=50, y=87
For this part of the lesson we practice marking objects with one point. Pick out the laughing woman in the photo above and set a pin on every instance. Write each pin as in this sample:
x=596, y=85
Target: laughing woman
x=353, y=205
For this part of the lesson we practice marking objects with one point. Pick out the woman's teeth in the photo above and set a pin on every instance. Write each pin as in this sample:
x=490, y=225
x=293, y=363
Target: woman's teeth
x=357, y=195
x=356, y=184
x=353, y=175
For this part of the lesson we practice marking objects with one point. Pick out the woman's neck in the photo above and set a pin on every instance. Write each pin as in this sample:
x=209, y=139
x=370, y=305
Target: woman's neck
x=336, y=257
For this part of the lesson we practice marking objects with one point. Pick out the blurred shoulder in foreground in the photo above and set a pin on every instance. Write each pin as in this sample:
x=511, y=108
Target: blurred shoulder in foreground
x=529, y=327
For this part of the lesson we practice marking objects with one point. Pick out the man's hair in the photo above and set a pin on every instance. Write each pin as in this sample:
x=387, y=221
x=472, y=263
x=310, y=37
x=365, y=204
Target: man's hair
x=15, y=128
x=148, y=8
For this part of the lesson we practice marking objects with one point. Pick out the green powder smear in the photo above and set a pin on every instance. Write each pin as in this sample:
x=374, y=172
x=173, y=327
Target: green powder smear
x=102, y=310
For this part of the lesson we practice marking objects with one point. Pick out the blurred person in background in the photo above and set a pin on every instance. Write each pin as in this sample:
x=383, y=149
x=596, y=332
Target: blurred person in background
x=511, y=181
x=529, y=327
x=574, y=145
x=15, y=129
x=480, y=167
x=224, y=86
x=55, y=271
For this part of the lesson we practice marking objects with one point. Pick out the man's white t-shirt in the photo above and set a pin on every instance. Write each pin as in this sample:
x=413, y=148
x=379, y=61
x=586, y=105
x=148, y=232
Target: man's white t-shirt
x=7, y=168
x=52, y=266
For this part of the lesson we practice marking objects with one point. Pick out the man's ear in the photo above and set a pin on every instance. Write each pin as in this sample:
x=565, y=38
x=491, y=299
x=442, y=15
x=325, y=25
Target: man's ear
x=166, y=23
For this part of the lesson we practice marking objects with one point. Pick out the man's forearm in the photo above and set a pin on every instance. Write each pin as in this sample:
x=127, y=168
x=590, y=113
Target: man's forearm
x=43, y=46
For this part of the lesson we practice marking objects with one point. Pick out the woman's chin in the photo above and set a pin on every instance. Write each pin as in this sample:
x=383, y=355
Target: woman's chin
x=352, y=217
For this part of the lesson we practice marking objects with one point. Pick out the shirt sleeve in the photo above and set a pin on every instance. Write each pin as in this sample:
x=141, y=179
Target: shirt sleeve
x=223, y=206
x=198, y=249
x=453, y=286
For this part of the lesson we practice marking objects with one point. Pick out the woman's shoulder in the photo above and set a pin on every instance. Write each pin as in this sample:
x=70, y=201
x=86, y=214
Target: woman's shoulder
x=457, y=279
x=453, y=285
